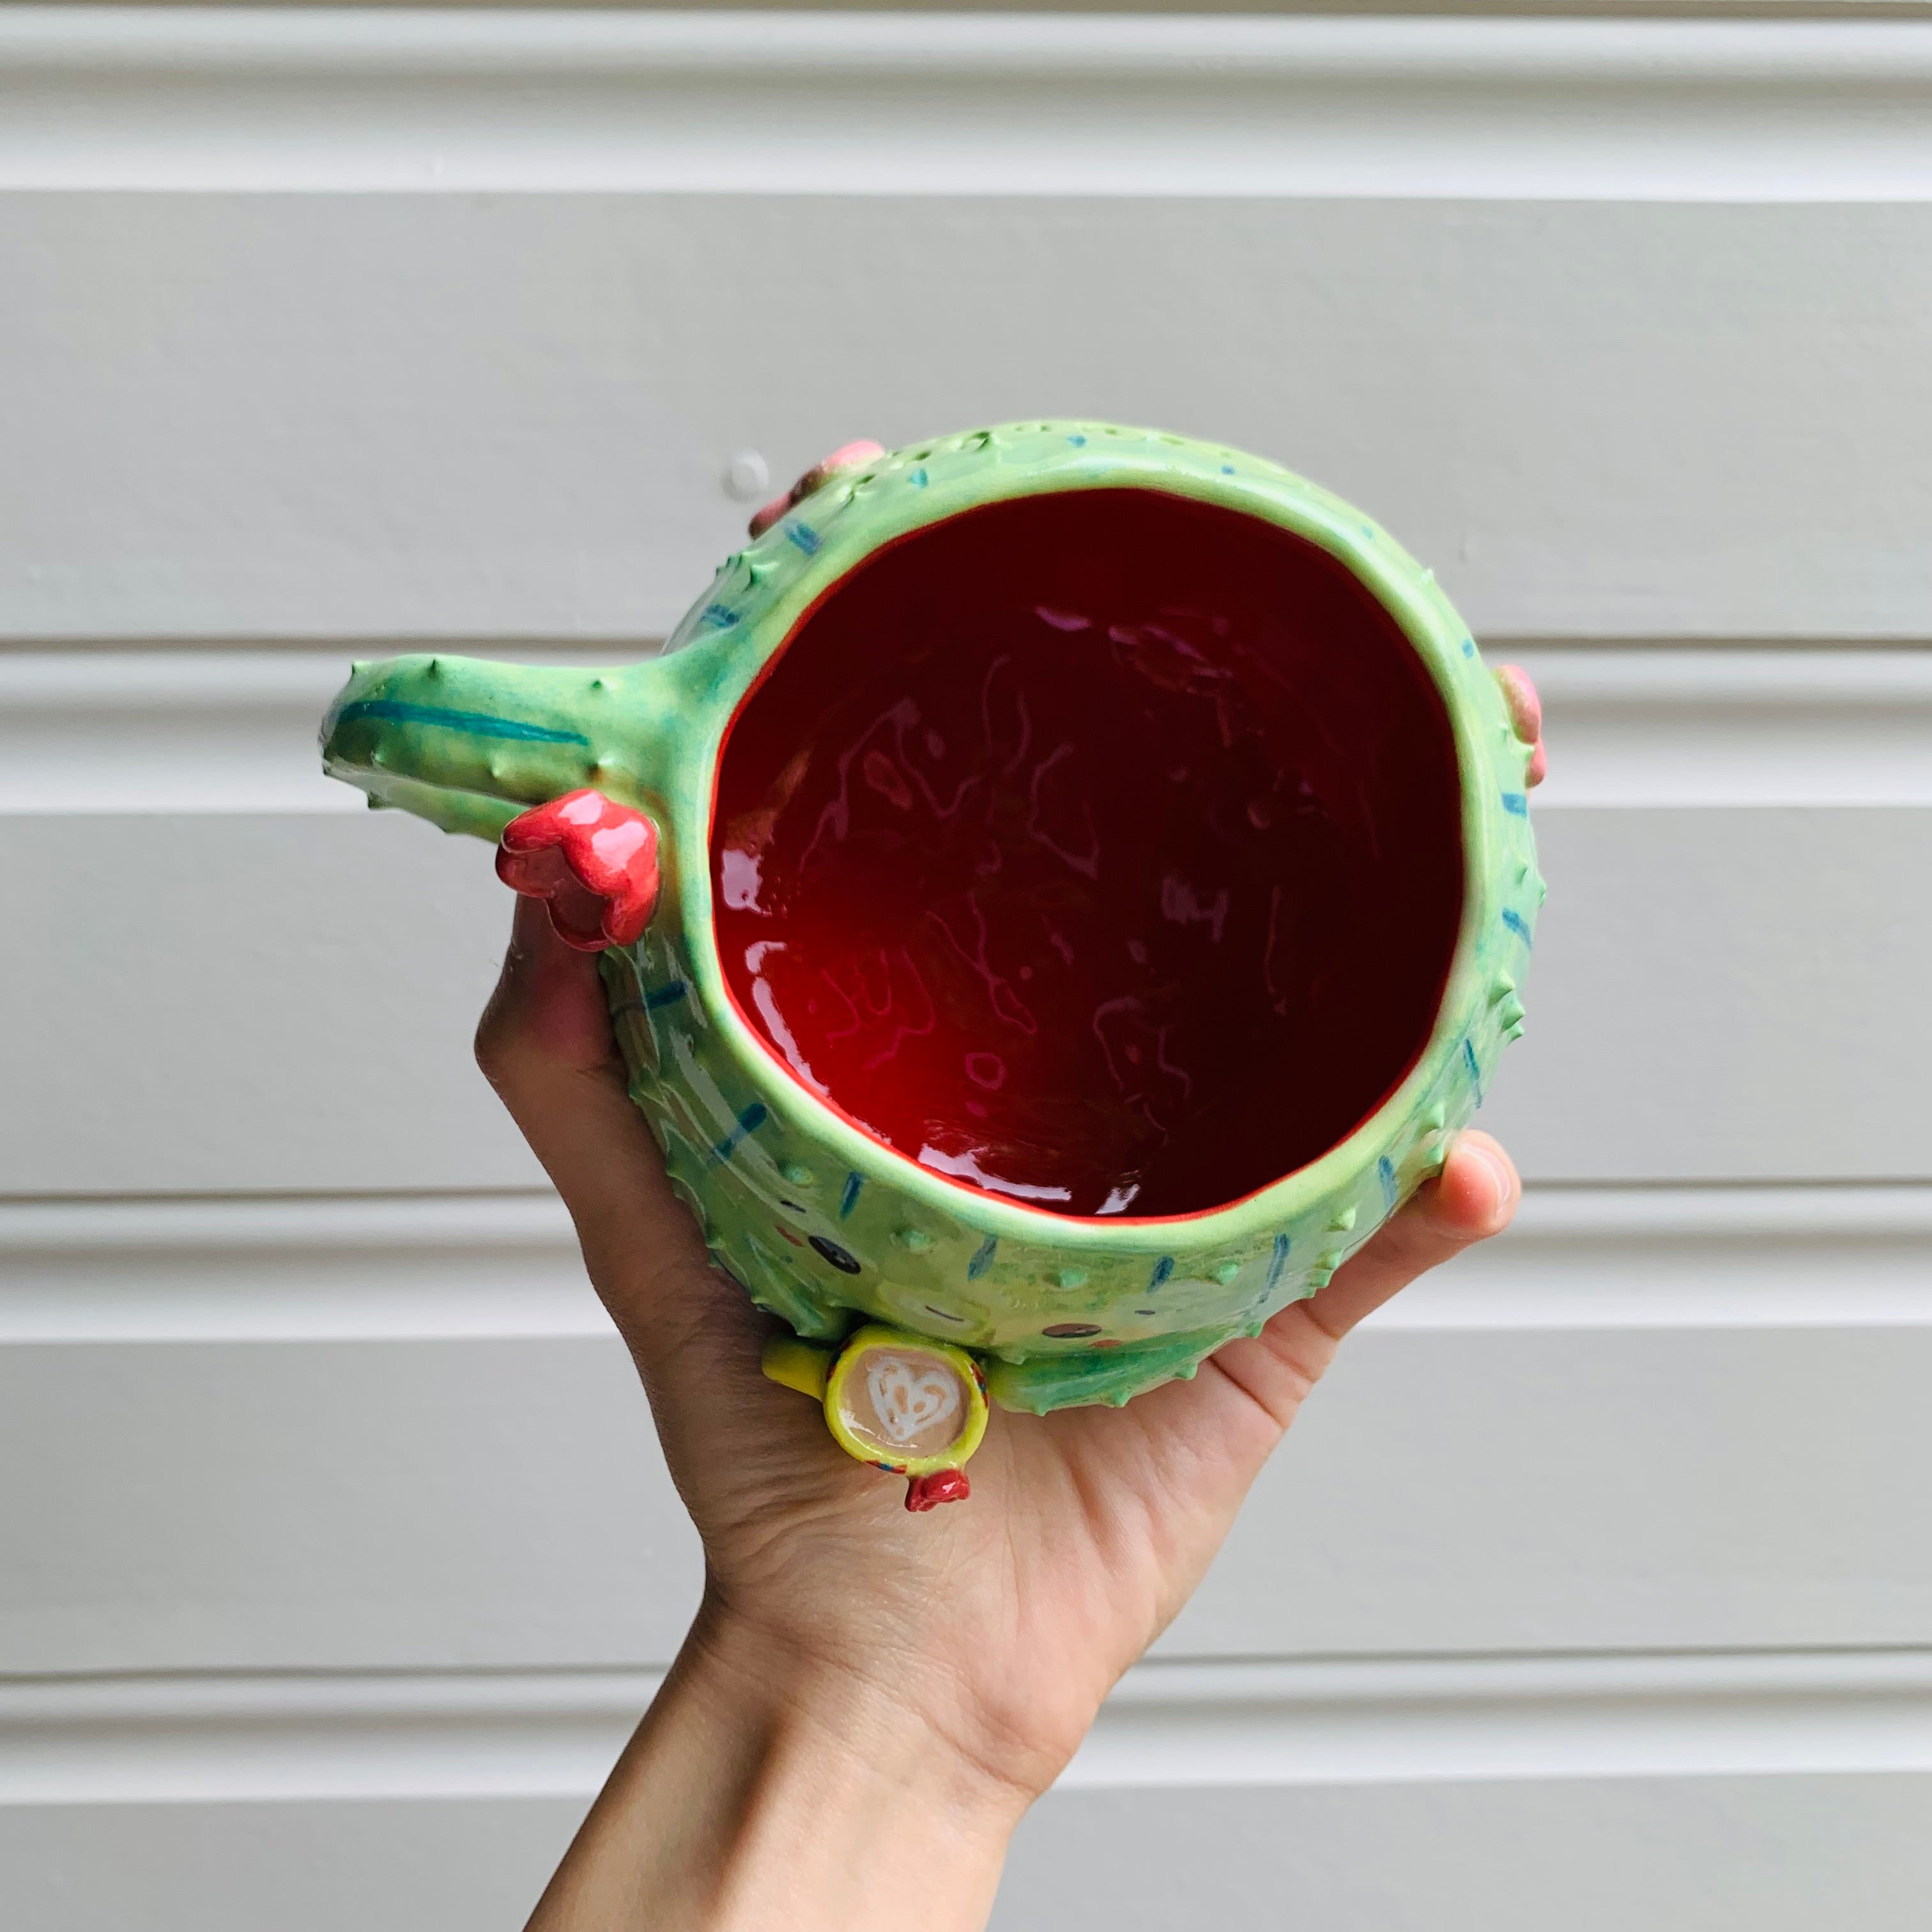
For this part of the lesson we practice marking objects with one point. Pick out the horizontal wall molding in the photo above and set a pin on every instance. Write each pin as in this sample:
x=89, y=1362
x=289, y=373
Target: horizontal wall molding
x=234, y=730
x=939, y=103
x=1383, y=1720
x=1681, y=726
x=255, y=1738
x=448, y=1266
x=194, y=731
x=1764, y=1256
x=1585, y=9
x=277, y=1736
x=465, y=1266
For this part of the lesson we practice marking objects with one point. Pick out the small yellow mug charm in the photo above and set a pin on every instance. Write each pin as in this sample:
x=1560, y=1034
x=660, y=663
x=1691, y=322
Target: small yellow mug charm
x=913, y=1407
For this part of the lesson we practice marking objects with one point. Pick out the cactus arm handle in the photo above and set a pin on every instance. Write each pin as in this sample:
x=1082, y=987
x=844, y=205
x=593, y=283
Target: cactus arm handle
x=469, y=744
x=464, y=811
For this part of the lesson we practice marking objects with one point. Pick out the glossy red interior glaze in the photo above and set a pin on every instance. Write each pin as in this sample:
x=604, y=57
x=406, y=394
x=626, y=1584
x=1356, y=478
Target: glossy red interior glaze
x=1102, y=849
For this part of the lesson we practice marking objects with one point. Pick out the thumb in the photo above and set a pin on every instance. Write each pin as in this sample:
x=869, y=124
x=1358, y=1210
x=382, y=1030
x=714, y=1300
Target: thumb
x=1473, y=1199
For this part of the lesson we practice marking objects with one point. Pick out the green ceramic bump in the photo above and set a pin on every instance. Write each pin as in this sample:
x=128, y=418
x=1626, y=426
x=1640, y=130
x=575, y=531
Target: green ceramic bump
x=775, y=1288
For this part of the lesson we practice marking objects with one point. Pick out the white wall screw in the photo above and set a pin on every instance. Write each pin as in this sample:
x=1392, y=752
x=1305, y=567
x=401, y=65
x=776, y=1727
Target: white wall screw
x=747, y=477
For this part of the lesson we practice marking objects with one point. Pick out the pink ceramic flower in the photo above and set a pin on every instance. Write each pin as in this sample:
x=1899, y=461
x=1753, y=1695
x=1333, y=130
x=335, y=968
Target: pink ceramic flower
x=593, y=861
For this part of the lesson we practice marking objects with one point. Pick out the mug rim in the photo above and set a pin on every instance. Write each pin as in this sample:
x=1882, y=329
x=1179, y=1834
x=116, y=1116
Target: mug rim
x=810, y=552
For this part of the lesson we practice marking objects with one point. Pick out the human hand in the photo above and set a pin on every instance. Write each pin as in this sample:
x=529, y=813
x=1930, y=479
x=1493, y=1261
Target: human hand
x=973, y=1645
x=870, y=1691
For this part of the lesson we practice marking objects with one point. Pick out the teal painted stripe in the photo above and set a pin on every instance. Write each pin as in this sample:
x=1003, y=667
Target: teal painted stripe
x=477, y=724
x=1277, y=1261
x=1475, y=1071
x=748, y=1123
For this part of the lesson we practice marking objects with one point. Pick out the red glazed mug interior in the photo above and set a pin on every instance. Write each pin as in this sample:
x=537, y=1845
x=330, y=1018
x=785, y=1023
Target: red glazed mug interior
x=1100, y=849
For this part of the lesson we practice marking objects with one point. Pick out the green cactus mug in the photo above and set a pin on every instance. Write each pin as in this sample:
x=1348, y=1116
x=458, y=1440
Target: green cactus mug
x=1058, y=891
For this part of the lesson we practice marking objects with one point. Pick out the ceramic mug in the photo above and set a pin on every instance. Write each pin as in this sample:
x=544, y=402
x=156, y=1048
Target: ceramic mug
x=1059, y=890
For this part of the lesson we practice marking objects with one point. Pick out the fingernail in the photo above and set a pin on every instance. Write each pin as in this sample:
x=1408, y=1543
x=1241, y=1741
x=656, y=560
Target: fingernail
x=1502, y=1179
x=1526, y=707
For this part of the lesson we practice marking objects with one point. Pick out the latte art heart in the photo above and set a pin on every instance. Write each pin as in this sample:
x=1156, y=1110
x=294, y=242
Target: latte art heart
x=910, y=1397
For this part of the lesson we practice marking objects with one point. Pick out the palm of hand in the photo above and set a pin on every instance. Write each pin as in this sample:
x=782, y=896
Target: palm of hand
x=1005, y=1622
x=1009, y=1619
x=1002, y=1622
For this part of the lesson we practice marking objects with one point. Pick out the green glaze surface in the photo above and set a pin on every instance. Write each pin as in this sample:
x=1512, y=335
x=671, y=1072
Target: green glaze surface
x=822, y=1224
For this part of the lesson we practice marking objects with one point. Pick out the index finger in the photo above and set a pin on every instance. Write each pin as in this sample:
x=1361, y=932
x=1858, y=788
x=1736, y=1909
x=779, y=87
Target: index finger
x=545, y=1045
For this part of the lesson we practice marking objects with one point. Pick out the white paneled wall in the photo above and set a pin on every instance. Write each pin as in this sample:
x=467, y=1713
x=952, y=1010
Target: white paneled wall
x=1596, y=1590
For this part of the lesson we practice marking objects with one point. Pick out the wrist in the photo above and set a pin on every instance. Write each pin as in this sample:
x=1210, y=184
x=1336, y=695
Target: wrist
x=997, y=1746
x=887, y=1718
x=769, y=1786
x=789, y=1788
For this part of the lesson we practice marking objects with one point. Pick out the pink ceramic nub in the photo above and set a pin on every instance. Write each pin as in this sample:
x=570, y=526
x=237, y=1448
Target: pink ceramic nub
x=846, y=456
x=1525, y=711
